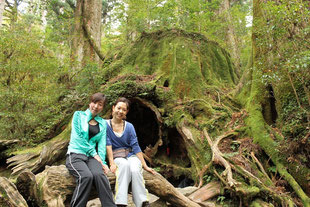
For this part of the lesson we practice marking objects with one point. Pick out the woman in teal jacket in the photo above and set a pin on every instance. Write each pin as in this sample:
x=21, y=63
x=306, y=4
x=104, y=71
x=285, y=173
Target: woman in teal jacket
x=86, y=154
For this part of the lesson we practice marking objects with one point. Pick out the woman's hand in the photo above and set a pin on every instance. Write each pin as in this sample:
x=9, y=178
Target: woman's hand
x=105, y=169
x=113, y=168
x=151, y=170
x=104, y=166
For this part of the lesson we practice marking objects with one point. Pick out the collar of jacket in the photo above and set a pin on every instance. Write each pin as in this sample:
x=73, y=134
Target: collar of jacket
x=90, y=117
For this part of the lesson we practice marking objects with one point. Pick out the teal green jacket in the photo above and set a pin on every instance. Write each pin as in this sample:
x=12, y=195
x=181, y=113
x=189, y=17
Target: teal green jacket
x=79, y=140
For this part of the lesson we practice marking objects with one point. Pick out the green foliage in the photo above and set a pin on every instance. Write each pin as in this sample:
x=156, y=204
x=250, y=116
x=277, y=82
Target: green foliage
x=221, y=199
x=30, y=87
x=135, y=17
x=285, y=64
x=88, y=79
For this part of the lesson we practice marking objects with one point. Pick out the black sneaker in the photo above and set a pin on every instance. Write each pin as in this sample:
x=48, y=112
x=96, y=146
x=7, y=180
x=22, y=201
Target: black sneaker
x=146, y=204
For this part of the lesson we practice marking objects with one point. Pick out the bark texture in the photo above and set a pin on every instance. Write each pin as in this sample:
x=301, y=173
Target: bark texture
x=231, y=35
x=9, y=195
x=86, y=32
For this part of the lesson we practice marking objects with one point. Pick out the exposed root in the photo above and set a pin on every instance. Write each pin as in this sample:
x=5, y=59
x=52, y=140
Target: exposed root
x=176, y=169
x=202, y=172
x=218, y=158
x=52, y=186
x=208, y=191
x=260, y=166
x=281, y=198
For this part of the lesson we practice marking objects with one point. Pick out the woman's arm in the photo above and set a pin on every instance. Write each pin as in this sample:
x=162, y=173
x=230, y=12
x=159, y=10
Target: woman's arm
x=144, y=165
x=111, y=160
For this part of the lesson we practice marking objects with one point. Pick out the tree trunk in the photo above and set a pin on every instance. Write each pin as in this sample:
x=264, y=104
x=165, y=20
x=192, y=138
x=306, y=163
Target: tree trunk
x=86, y=33
x=256, y=121
x=231, y=36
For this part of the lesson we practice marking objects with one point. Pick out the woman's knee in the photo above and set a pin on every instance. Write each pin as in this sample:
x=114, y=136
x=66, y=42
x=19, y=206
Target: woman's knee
x=123, y=165
x=88, y=177
x=98, y=174
x=136, y=170
x=135, y=166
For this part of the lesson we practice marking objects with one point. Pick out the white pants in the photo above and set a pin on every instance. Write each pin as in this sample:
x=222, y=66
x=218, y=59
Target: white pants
x=129, y=170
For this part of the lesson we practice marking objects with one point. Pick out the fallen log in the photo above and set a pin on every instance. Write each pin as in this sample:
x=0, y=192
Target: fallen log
x=9, y=195
x=54, y=187
x=44, y=154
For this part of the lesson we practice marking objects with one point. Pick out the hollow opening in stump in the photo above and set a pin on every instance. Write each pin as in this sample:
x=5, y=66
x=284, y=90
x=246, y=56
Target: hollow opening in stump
x=173, y=158
x=164, y=146
x=145, y=122
x=173, y=149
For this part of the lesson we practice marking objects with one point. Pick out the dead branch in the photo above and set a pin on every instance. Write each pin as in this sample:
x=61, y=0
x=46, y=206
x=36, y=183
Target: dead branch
x=260, y=166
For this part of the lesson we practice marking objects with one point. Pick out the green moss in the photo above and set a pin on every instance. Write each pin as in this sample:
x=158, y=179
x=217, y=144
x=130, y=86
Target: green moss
x=261, y=136
x=186, y=61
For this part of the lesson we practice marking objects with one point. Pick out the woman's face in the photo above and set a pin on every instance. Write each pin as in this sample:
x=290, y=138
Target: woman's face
x=96, y=108
x=120, y=110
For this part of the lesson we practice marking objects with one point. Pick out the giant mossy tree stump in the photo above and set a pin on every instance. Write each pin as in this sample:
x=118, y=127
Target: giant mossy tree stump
x=188, y=124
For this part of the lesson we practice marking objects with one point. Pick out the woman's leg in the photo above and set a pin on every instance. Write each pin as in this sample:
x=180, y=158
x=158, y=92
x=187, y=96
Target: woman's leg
x=101, y=183
x=76, y=164
x=123, y=178
x=139, y=192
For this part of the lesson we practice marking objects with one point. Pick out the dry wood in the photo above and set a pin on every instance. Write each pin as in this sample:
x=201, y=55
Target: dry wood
x=7, y=143
x=218, y=158
x=54, y=185
x=25, y=185
x=206, y=192
x=9, y=195
x=50, y=153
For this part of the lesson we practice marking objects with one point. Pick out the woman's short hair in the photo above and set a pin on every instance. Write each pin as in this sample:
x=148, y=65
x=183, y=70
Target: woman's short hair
x=98, y=97
x=122, y=99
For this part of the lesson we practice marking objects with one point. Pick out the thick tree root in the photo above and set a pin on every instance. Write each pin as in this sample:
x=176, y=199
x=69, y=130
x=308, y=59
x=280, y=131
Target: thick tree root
x=262, y=137
x=242, y=189
x=217, y=157
x=261, y=188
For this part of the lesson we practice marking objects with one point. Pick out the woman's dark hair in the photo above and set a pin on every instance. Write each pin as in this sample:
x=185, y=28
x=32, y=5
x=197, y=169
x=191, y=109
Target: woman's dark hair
x=122, y=99
x=98, y=97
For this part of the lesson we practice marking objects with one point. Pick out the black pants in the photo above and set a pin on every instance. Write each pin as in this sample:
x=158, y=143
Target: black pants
x=87, y=170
